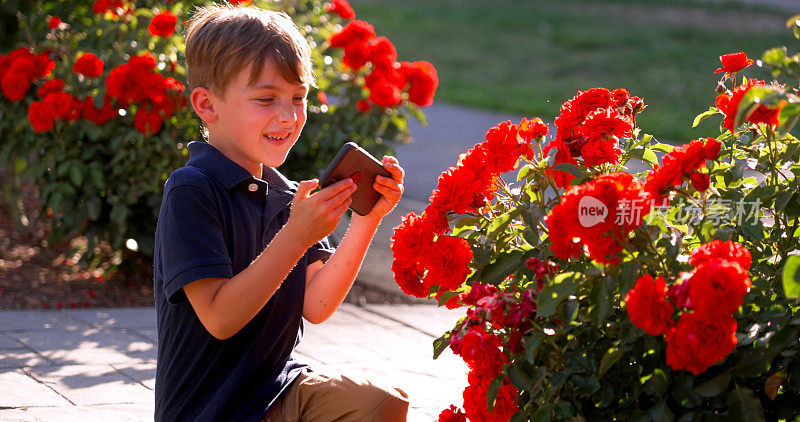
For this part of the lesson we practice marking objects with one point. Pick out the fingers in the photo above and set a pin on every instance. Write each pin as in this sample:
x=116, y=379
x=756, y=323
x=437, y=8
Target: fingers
x=387, y=187
x=305, y=187
x=393, y=166
x=335, y=189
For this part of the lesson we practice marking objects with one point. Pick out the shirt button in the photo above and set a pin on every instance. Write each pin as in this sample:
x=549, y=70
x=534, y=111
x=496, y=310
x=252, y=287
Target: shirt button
x=252, y=187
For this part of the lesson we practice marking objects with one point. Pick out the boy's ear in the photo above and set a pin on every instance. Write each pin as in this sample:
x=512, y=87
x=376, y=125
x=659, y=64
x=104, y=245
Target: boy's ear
x=203, y=104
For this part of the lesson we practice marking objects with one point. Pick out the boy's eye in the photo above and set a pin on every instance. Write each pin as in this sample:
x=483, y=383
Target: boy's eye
x=300, y=99
x=265, y=100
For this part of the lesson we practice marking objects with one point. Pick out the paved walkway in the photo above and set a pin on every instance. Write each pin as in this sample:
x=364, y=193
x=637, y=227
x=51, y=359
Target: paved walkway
x=87, y=365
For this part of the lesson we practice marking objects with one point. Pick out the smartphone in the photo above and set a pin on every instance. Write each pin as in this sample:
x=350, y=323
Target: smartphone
x=356, y=163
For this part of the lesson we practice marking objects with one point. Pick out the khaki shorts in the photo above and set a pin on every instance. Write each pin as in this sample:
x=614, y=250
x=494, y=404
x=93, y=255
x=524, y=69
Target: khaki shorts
x=324, y=397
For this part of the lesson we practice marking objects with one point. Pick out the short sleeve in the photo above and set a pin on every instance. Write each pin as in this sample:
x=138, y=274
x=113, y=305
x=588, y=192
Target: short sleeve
x=321, y=250
x=192, y=240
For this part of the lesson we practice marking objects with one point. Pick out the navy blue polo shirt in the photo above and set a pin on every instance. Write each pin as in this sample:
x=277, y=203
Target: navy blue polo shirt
x=215, y=219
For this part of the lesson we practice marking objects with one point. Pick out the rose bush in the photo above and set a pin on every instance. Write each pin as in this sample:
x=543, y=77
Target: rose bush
x=94, y=115
x=593, y=292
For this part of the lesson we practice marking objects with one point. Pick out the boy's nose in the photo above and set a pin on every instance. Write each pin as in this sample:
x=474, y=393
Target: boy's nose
x=287, y=114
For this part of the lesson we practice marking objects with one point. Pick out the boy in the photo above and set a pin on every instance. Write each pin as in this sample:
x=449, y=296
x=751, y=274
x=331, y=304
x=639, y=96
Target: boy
x=242, y=253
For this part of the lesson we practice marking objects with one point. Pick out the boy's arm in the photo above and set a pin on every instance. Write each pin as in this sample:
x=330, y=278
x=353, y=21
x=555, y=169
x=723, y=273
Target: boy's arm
x=225, y=305
x=328, y=284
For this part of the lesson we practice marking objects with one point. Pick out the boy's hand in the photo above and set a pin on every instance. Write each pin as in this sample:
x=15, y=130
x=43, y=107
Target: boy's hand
x=316, y=215
x=391, y=189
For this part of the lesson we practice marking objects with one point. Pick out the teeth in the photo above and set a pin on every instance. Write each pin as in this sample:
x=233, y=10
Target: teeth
x=275, y=137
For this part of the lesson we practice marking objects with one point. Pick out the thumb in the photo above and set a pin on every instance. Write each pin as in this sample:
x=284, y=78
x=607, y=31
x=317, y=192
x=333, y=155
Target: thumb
x=305, y=187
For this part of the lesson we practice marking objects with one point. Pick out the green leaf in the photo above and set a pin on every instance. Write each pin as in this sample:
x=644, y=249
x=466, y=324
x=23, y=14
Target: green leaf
x=661, y=413
x=76, y=174
x=440, y=344
x=500, y=224
x=788, y=116
x=542, y=414
x=569, y=168
x=756, y=96
x=743, y=405
x=608, y=360
x=532, y=347
x=791, y=277
x=601, y=300
x=562, y=286
x=491, y=392
x=665, y=148
x=504, y=265
x=714, y=386
x=704, y=115
x=656, y=384
x=519, y=377
x=774, y=56
x=447, y=295
x=525, y=171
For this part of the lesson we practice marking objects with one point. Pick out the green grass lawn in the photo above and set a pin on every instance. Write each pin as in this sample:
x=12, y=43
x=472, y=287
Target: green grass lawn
x=528, y=57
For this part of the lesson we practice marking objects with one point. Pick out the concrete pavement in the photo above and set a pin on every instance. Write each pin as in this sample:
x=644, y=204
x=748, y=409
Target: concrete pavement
x=99, y=365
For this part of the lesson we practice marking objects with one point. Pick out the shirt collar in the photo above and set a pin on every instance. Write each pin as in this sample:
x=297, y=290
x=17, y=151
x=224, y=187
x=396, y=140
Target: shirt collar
x=214, y=163
x=227, y=172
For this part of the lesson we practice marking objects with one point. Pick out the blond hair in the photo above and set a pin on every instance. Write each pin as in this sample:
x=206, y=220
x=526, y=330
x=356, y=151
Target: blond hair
x=222, y=40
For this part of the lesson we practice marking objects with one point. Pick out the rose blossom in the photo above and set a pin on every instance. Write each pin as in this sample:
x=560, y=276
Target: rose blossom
x=341, y=8
x=163, y=24
x=698, y=342
x=734, y=62
x=647, y=307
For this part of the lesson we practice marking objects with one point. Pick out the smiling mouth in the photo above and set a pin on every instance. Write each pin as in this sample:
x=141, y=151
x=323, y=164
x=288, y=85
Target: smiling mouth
x=276, y=137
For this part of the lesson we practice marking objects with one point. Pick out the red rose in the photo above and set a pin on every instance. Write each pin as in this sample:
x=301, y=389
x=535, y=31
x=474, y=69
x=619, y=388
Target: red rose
x=717, y=288
x=58, y=104
x=734, y=62
x=475, y=400
x=412, y=237
x=447, y=261
x=700, y=181
x=455, y=191
x=356, y=55
x=605, y=123
x=43, y=65
x=54, y=22
x=647, y=305
x=385, y=94
x=381, y=52
x=505, y=147
x=322, y=97
x=101, y=6
x=618, y=204
x=88, y=65
x=341, y=8
x=15, y=85
x=620, y=97
x=697, y=342
x=729, y=105
x=355, y=30
x=363, y=106
x=50, y=85
x=597, y=152
x=147, y=122
x=716, y=250
x=533, y=129
x=562, y=179
x=679, y=296
x=569, y=119
x=101, y=115
x=163, y=24
x=40, y=120
x=592, y=99
x=407, y=277
x=423, y=81
x=481, y=351
x=684, y=160
x=452, y=414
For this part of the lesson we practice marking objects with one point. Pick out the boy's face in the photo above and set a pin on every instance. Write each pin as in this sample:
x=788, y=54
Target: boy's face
x=258, y=123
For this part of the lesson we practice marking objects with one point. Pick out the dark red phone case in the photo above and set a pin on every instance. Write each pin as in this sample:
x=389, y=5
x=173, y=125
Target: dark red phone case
x=355, y=162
